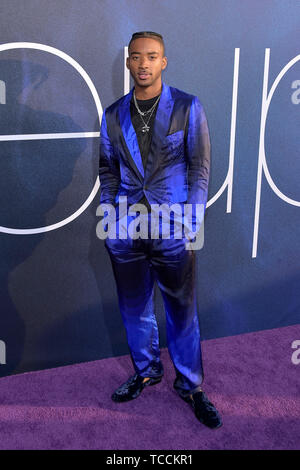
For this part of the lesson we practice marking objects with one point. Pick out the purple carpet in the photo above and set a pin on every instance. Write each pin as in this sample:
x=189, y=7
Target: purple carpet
x=250, y=378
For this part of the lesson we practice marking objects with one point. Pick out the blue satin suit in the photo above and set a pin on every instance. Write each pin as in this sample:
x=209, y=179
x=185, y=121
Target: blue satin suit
x=176, y=171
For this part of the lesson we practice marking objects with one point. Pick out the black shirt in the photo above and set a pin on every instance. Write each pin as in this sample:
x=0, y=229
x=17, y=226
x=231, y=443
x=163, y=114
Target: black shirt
x=144, y=138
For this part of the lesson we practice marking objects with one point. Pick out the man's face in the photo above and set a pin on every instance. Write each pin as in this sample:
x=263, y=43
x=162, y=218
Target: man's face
x=146, y=61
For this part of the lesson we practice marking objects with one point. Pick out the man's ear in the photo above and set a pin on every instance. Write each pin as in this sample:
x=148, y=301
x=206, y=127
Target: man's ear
x=127, y=62
x=164, y=62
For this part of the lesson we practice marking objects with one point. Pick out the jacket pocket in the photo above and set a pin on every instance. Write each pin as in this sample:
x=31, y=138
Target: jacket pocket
x=174, y=143
x=175, y=138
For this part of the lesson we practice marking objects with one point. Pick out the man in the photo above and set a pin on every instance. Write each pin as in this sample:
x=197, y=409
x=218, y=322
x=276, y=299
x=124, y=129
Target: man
x=155, y=149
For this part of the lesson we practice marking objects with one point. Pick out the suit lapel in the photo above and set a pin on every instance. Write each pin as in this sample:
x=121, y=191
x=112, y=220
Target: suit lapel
x=130, y=135
x=161, y=127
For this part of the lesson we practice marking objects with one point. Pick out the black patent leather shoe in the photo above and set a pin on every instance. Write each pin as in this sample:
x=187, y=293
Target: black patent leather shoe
x=133, y=387
x=204, y=410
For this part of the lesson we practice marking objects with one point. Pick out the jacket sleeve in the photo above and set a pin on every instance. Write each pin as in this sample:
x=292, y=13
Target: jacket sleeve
x=197, y=148
x=109, y=170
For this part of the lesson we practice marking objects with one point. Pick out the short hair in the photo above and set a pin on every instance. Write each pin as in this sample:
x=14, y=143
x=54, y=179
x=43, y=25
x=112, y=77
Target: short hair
x=148, y=34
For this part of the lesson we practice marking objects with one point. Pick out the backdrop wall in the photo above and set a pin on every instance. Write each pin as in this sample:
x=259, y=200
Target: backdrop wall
x=61, y=63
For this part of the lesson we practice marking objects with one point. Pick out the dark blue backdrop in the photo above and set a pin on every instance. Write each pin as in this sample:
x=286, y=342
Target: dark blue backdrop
x=57, y=294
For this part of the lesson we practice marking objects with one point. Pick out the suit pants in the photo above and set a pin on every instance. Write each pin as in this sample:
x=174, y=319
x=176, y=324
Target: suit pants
x=139, y=263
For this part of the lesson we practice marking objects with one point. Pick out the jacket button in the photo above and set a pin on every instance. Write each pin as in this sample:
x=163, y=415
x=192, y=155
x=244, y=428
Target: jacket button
x=145, y=187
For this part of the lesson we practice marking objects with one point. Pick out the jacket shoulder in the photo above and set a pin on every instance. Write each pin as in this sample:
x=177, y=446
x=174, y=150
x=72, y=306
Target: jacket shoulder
x=182, y=95
x=111, y=109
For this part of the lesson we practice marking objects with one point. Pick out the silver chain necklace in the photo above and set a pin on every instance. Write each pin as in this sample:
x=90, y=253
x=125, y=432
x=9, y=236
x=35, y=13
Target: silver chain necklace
x=145, y=127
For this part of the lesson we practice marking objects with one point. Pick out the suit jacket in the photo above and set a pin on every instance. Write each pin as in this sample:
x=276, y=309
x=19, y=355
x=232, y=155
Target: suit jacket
x=178, y=164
